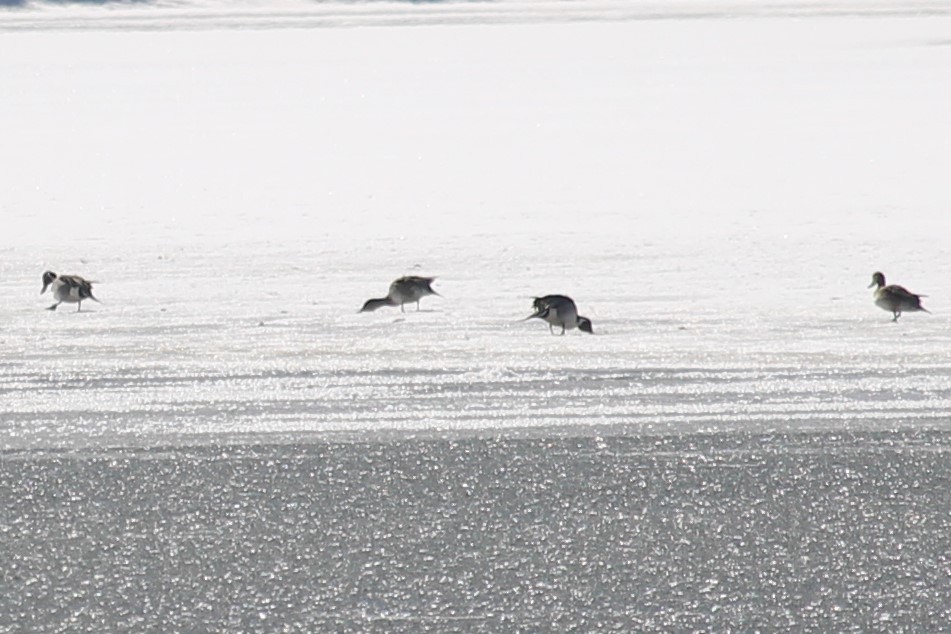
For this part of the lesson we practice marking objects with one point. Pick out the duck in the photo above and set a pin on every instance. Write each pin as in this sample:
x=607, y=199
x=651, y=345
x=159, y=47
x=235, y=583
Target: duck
x=68, y=288
x=894, y=298
x=404, y=290
x=560, y=310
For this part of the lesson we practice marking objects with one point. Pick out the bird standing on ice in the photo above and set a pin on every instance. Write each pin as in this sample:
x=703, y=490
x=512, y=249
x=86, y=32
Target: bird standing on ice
x=405, y=290
x=559, y=310
x=894, y=298
x=68, y=288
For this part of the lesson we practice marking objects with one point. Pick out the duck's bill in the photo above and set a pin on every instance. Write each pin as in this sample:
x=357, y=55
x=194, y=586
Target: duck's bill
x=872, y=284
x=532, y=316
x=45, y=286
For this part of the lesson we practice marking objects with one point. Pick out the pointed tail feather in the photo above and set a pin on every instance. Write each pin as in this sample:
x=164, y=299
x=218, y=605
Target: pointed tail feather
x=86, y=293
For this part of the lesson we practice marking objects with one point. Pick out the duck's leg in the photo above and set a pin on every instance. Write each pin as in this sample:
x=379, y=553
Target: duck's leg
x=402, y=310
x=79, y=306
x=551, y=328
x=417, y=305
x=897, y=315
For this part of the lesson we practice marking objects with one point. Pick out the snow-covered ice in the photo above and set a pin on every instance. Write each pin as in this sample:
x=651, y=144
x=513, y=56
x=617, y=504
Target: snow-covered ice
x=714, y=191
x=225, y=443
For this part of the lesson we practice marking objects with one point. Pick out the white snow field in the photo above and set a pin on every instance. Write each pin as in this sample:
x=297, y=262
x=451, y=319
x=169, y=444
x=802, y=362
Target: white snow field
x=713, y=182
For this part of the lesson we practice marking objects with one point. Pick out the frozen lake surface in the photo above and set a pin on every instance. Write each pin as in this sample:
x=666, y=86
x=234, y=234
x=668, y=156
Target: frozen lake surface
x=734, y=532
x=713, y=183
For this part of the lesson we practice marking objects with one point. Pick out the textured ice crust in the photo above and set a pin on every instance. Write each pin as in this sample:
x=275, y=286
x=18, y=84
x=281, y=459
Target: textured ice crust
x=732, y=532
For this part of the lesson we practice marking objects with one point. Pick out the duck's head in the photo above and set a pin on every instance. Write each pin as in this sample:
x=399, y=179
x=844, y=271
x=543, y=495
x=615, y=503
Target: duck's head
x=878, y=279
x=48, y=278
x=584, y=324
x=542, y=304
x=539, y=309
x=369, y=306
x=372, y=304
x=428, y=286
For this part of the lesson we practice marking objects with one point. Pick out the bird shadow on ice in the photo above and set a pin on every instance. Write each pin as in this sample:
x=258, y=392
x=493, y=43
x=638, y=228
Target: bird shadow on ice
x=84, y=311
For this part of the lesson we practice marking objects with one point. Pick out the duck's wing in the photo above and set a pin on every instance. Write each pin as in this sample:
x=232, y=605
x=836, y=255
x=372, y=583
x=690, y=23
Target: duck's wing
x=83, y=287
x=550, y=300
x=416, y=282
x=71, y=280
x=412, y=287
x=401, y=286
x=900, y=292
x=560, y=303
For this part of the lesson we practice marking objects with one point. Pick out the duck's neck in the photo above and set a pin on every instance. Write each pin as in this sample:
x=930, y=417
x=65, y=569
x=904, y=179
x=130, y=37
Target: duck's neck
x=373, y=304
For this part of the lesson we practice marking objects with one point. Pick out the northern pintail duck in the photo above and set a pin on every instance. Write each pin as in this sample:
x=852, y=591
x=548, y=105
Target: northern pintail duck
x=894, y=298
x=559, y=310
x=67, y=288
x=405, y=290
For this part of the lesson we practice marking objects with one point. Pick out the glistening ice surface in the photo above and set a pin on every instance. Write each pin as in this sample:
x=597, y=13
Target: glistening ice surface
x=820, y=532
x=226, y=444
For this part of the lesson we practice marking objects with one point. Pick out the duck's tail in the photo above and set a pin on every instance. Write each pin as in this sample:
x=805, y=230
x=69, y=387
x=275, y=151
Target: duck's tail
x=584, y=325
x=86, y=293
